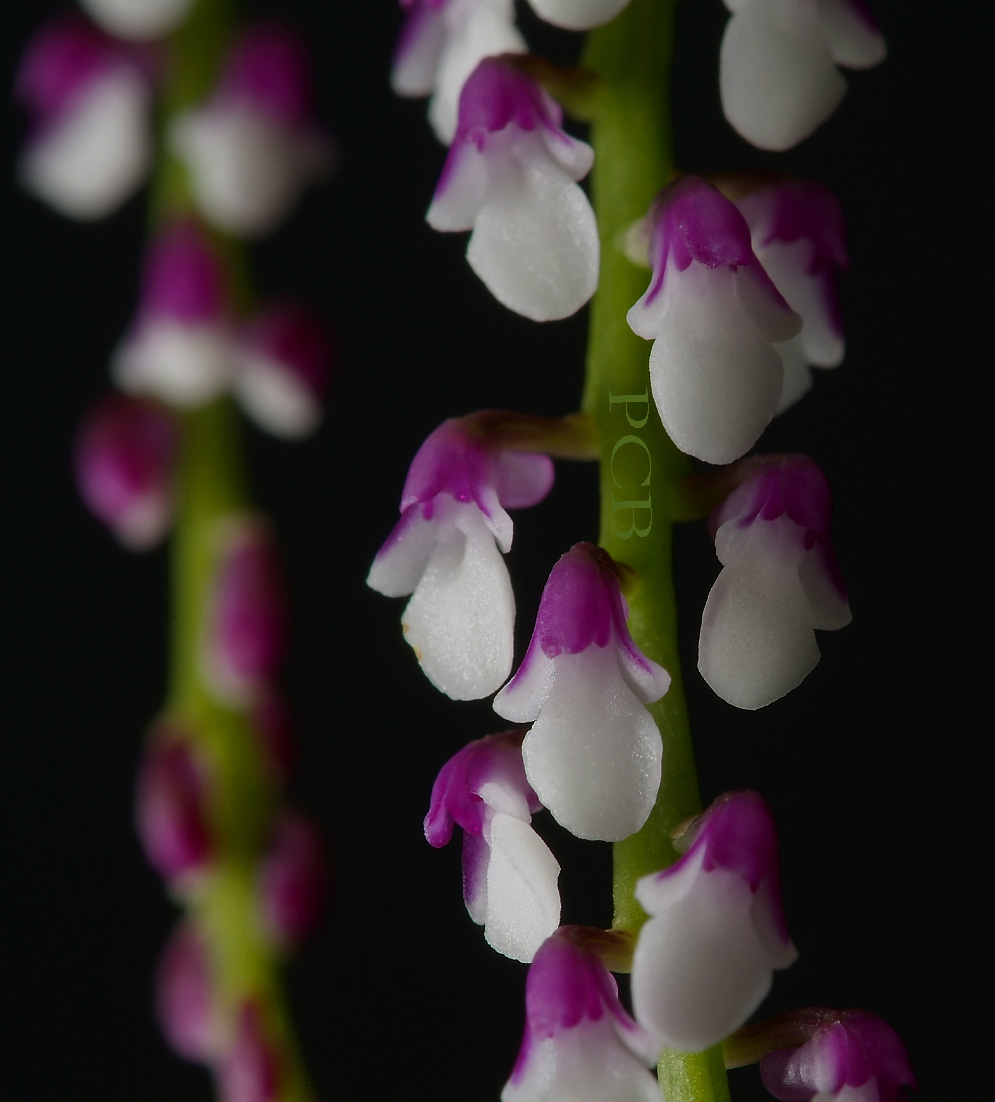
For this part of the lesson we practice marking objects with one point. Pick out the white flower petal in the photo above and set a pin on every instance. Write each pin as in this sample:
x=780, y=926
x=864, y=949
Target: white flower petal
x=797, y=377
x=852, y=40
x=777, y=78
x=401, y=561
x=716, y=379
x=578, y=15
x=757, y=640
x=594, y=754
x=460, y=619
x=138, y=19
x=277, y=402
x=183, y=365
x=523, y=901
x=699, y=970
x=481, y=29
x=94, y=157
x=521, y=700
x=416, y=61
x=787, y=265
x=535, y=241
x=461, y=193
x=246, y=169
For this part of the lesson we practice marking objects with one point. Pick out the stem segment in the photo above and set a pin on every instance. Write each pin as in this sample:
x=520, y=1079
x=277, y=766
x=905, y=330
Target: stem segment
x=641, y=469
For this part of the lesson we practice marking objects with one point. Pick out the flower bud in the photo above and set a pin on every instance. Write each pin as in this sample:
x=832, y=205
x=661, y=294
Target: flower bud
x=293, y=879
x=184, y=1001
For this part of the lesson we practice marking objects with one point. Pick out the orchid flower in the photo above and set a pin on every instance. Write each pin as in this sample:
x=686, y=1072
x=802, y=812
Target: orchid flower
x=857, y=1058
x=716, y=931
x=579, y=1044
x=509, y=875
x=713, y=315
x=179, y=349
x=91, y=145
x=441, y=44
x=798, y=236
x=779, y=582
x=511, y=178
x=253, y=147
x=778, y=71
x=444, y=551
x=593, y=754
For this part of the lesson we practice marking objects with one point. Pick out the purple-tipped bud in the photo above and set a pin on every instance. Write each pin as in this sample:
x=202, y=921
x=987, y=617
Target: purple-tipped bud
x=90, y=148
x=250, y=1069
x=125, y=459
x=252, y=148
x=704, y=960
x=293, y=879
x=284, y=362
x=179, y=348
x=246, y=630
x=171, y=807
x=594, y=753
x=184, y=999
x=858, y=1058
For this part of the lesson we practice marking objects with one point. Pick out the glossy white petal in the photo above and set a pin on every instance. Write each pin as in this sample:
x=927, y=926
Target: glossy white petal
x=183, y=365
x=715, y=377
x=460, y=619
x=585, y=1064
x=246, y=169
x=275, y=400
x=787, y=266
x=535, y=241
x=97, y=154
x=138, y=19
x=523, y=901
x=777, y=77
x=699, y=968
x=480, y=29
x=852, y=40
x=594, y=754
x=578, y=15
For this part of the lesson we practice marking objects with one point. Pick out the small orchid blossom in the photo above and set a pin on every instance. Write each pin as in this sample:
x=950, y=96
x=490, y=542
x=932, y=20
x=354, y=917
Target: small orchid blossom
x=91, y=146
x=185, y=1005
x=713, y=315
x=441, y=44
x=252, y=147
x=857, y=1058
x=138, y=19
x=511, y=178
x=179, y=348
x=579, y=1042
x=593, y=754
x=578, y=15
x=125, y=458
x=282, y=369
x=703, y=962
x=444, y=552
x=779, y=582
x=777, y=66
x=798, y=236
x=509, y=875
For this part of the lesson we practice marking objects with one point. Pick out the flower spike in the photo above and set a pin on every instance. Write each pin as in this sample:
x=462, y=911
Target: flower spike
x=713, y=315
x=777, y=66
x=798, y=236
x=716, y=930
x=779, y=582
x=509, y=875
x=440, y=45
x=444, y=552
x=594, y=754
x=857, y=1058
x=511, y=178
x=579, y=1043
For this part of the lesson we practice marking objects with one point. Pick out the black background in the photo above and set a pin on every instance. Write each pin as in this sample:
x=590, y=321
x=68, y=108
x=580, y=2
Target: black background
x=873, y=767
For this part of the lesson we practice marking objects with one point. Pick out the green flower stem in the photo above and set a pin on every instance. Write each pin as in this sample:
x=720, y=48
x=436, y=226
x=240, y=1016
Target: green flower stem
x=211, y=486
x=642, y=472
